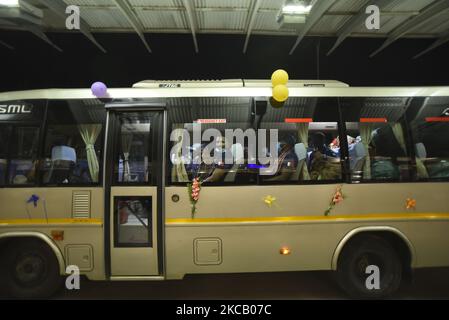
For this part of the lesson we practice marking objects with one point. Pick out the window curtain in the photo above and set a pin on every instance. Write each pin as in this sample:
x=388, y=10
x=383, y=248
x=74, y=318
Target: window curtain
x=178, y=170
x=421, y=169
x=365, y=134
x=303, y=135
x=399, y=135
x=127, y=140
x=90, y=133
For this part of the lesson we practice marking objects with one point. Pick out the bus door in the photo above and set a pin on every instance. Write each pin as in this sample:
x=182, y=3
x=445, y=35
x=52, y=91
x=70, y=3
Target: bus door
x=134, y=180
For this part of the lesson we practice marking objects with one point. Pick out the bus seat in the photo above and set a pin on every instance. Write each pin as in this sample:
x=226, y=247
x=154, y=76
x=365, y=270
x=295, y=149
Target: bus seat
x=238, y=158
x=63, y=153
x=63, y=159
x=357, y=154
x=301, y=154
x=19, y=170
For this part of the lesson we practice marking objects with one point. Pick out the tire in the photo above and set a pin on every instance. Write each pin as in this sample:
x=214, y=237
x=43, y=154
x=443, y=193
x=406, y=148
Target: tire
x=29, y=269
x=357, y=255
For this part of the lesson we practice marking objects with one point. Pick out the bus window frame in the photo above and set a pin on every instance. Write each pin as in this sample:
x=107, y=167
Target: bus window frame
x=27, y=123
x=101, y=138
x=255, y=125
x=405, y=121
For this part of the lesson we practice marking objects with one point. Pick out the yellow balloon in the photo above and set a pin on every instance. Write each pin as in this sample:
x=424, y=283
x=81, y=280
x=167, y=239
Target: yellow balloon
x=280, y=93
x=279, y=77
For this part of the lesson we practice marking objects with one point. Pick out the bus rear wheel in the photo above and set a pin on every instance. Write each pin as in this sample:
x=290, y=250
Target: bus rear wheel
x=369, y=268
x=29, y=269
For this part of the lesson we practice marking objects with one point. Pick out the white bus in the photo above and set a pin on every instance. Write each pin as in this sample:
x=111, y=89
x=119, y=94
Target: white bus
x=361, y=180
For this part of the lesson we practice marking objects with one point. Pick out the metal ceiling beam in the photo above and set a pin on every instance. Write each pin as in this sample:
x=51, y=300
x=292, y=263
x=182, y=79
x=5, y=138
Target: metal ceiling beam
x=6, y=45
x=444, y=37
x=18, y=13
x=355, y=22
x=318, y=10
x=127, y=10
x=252, y=14
x=40, y=34
x=31, y=9
x=59, y=8
x=193, y=24
x=431, y=12
x=24, y=21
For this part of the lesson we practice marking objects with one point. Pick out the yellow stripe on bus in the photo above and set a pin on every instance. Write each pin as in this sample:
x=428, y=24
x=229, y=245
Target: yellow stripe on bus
x=81, y=221
x=405, y=216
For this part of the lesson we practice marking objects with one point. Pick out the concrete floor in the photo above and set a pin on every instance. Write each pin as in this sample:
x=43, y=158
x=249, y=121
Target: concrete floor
x=427, y=284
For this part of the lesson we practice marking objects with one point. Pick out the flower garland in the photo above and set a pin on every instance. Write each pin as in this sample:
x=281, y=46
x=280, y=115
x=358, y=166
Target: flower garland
x=194, y=189
x=336, y=199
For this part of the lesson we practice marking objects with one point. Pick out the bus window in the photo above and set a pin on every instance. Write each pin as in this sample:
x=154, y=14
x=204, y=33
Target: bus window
x=133, y=225
x=377, y=139
x=308, y=146
x=429, y=125
x=23, y=155
x=73, y=143
x=5, y=132
x=133, y=161
x=219, y=156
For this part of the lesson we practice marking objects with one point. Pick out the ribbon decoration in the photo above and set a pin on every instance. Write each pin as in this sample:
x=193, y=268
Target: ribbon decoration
x=33, y=199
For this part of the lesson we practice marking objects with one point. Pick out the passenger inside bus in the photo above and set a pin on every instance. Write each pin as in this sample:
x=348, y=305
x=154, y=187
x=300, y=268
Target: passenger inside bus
x=217, y=170
x=287, y=159
x=323, y=161
x=379, y=152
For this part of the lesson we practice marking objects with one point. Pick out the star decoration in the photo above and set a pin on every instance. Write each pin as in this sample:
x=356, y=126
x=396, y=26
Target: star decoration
x=269, y=200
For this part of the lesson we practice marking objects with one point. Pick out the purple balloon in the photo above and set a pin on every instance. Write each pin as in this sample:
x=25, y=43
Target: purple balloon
x=99, y=89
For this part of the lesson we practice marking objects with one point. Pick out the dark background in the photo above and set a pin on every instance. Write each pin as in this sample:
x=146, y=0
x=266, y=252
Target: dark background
x=35, y=64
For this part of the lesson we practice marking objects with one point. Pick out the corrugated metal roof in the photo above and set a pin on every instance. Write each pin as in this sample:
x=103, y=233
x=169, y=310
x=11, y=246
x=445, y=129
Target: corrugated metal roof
x=98, y=18
x=437, y=25
x=407, y=5
x=328, y=23
x=387, y=24
x=222, y=3
x=222, y=20
x=271, y=4
x=155, y=3
x=347, y=5
x=162, y=19
x=266, y=21
x=233, y=16
x=90, y=2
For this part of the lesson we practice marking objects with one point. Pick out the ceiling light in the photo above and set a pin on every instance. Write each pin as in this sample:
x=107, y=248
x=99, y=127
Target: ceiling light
x=296, y=9
x=9, y=3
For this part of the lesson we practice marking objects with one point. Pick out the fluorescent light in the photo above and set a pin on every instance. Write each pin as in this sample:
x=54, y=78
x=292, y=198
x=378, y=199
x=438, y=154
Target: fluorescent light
x=9, y=3
x=296, y=9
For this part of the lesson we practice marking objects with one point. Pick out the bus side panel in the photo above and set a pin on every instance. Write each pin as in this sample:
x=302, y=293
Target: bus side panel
x=54, y=211
x=242, y=233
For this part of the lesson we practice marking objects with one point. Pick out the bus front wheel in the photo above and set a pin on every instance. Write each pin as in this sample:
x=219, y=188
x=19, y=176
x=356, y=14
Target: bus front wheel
x=29, y=269
x=369, y=268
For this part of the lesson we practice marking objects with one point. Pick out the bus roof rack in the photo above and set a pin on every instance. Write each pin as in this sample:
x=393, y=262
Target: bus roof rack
x=151, y=84
x=299, y=83
x=234, y=83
